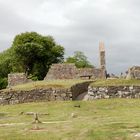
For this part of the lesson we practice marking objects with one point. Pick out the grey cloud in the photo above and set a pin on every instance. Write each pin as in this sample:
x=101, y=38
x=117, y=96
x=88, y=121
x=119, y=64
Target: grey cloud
x=10, y=21
x=116, y=22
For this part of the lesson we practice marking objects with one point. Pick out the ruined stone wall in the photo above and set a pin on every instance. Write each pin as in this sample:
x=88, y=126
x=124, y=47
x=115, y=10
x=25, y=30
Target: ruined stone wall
x=95, y=73
x=113, y=92
x=16, y=79
x=133, y=73
x=60, y=71
x=48, y=94
x=85, y=72
x=69, y=71
x=56, y=94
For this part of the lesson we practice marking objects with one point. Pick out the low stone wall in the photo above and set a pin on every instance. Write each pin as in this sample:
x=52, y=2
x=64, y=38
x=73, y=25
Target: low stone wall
x=55, y=94
x=113, y=92
x=48, y=94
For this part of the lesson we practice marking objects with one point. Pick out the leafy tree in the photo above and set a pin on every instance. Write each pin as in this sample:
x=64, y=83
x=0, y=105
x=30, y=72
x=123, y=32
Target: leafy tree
x=35, y=53
x=4, y=68
x=80, y=60
x=5, y=63
x=31, y=53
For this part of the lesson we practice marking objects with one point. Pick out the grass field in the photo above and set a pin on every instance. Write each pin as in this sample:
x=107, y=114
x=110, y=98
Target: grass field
x=69, y=83
x=116, y=82
x=113, y=119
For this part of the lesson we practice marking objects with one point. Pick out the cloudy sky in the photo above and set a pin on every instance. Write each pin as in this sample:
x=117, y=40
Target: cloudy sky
x=79, y=25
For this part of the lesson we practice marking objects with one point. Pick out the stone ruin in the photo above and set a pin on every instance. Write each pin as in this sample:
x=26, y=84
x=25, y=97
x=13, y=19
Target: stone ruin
x=69, y=71
x=133, y=73
x=66, y=71
x=61, y=71
x=16, y=79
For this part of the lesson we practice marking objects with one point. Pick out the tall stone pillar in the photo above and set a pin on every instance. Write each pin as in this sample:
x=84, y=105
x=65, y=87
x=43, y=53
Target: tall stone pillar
x=102, y=55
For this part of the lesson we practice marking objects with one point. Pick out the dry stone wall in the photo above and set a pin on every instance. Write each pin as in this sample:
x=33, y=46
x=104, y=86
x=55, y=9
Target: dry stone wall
x=113, y=92
x=14, y=97
x=59, y=94
x=48, y=94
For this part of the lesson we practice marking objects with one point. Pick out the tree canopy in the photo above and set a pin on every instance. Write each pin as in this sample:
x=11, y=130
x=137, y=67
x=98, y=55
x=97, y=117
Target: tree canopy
x=80, y=60
x=31, y=53
x=36, y=53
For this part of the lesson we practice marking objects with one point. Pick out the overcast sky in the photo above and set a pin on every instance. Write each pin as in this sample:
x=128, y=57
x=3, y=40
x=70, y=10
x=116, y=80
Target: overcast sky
x=79, y=25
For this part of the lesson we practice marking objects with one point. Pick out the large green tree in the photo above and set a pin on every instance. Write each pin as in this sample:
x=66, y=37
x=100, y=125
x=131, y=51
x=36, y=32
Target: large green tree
x=80, y=60
x=35, y=53
x=5, y=67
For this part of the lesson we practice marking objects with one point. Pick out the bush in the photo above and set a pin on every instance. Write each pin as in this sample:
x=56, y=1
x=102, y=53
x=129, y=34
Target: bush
x=3, y=83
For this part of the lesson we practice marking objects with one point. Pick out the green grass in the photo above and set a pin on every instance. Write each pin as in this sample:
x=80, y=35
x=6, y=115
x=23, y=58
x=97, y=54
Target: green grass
x=47, y=84
x=113, y=119
x=116, y=82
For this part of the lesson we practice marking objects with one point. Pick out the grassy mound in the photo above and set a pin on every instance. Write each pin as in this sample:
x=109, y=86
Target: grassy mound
x=114, y=119
x=47, y=84
x=115, y=82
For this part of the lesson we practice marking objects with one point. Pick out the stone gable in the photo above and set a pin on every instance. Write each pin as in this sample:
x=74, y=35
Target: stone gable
x=69, y=71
